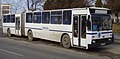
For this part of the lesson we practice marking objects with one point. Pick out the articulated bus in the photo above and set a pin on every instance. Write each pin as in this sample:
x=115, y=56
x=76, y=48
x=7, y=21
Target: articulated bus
x=77, y=27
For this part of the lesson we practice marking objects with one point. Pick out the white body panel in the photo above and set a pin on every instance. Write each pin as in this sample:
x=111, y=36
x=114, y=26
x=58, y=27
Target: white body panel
x=48, y=31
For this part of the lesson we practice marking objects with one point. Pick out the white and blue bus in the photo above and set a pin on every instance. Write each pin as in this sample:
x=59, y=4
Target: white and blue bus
x=77, y=27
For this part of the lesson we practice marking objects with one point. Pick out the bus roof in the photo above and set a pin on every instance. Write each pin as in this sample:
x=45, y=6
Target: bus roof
x=73, y=9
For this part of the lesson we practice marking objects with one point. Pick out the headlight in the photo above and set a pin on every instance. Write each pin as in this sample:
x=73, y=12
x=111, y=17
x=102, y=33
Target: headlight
x=111, y=34
x=109, y=39
x=94, y=42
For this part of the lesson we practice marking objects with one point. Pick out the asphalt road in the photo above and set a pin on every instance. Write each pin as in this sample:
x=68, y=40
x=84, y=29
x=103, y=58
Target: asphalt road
x=15, y=49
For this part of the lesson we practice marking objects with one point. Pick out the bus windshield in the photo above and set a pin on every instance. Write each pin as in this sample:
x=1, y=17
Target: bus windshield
x=101, y=22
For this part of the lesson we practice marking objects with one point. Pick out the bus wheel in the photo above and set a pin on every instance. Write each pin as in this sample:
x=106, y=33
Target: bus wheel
x=66, y=41
x=30, y=36
x=8, y=32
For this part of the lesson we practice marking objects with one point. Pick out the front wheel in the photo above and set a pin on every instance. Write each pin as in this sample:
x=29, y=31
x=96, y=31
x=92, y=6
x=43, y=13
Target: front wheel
x=66, y=41
x=9, y=33
x=30, y=36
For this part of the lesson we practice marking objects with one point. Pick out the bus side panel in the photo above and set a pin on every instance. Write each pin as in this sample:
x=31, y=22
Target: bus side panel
x=11, y=26
x=4, y=28
x=57, y=31
x=35, y=28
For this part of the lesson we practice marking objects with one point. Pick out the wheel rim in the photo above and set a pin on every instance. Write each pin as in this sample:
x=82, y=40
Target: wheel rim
x=66, y=41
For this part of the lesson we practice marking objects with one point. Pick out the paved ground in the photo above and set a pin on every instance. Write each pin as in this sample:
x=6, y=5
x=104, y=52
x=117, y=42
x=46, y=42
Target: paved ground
x=19, y=48
x=15, y=48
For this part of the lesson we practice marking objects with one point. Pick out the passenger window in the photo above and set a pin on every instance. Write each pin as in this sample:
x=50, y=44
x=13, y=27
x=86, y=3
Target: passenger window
x=37, y=17
x=4, y=19
x=56, y=17
x=46, y=17
x=12, y=18
x=67, y=17
x=8, y=19
x=29, y=17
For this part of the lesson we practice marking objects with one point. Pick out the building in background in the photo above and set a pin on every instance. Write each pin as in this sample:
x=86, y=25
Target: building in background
x=5, y=9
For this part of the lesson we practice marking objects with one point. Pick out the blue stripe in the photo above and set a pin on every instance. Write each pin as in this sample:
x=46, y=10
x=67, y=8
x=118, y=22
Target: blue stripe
x=61, y=31
x=34, y=28
x=105, y=32
x=96, y=33
x=50, y=30
x=91, y=33
x=9, y=26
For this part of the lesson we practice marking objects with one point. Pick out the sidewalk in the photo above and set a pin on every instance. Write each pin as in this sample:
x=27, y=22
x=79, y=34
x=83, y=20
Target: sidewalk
x=117, y=38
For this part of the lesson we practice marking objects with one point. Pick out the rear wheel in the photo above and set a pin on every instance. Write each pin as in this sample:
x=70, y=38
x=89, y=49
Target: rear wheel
x=8, y=32
x=30, y=36
x=66, y=41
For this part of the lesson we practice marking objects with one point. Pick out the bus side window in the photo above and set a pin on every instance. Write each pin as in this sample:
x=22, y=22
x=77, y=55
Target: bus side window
x=29, y=17
x=12, y=18
x=37, y=17
x=46, y=17
x=4, y=19
x=8, y=19
x=56, y=17
x=67, y=17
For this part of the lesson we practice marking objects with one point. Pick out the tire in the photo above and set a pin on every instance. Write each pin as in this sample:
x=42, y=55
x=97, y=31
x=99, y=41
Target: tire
x=30, y=36
x=8, y=32
x=66, y=43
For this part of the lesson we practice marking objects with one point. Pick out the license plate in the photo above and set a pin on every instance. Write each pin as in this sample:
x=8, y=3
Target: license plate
x=103, y=44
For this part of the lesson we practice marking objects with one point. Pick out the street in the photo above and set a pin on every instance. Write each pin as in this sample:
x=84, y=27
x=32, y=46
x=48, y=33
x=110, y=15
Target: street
x=14, y=49
x=20, y=48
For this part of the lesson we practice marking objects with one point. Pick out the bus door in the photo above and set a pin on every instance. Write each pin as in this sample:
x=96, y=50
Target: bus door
x=79, y=29
x=17, y=26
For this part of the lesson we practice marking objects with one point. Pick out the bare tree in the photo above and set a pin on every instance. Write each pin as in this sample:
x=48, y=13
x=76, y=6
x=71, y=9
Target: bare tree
x=35, y=4
x=90, y=3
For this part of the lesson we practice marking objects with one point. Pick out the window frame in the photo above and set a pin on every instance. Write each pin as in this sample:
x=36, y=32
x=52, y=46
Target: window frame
x=12, y=18
x=57, y=15
x=8, y=19
x=4, y=18
x=30, y=16
x=37, y=17
x=44, y=19
x=69, y=16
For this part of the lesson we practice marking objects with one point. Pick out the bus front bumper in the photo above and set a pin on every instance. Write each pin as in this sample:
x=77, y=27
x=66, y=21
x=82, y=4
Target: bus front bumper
x=101, y=42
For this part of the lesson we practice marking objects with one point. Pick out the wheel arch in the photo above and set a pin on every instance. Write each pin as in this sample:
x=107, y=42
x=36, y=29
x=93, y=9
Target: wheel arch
x=8, y=28
x=28, y=31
